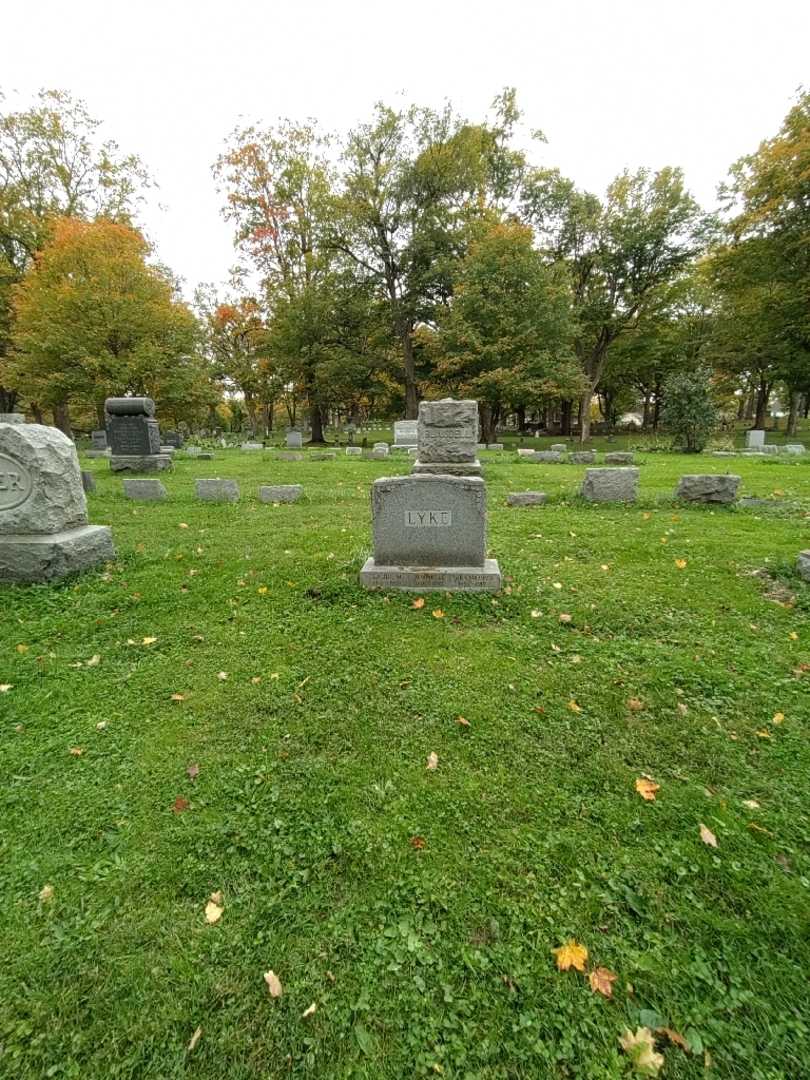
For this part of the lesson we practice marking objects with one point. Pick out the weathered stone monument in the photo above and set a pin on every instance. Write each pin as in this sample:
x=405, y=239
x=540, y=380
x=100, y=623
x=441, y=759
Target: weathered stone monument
x=295, y=439
x=145, y=490
x=172, y=438
x=708, y=488
x=280, y=493
x=610, y=485
x=447, y=437
x=430, y=533
x=526, y=498
x=98, y=440
x=217, y=490
x=133, y=435
x=803, y=565
x=44, y=532
x=405, y=433
x=755, y=438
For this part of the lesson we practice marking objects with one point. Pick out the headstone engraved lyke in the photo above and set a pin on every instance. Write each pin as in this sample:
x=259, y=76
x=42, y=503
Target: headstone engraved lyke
x=447, y=436
x=44, y=532
x=430, y=533
x=134, y=436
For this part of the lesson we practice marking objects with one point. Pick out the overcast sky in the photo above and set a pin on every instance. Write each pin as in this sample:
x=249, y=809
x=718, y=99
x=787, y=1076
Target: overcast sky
x=613, y=84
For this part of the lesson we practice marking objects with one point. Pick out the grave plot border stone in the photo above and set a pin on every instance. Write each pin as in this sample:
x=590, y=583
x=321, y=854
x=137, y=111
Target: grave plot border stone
x=280, y=493
x=708, y=487
x=143, y=490
x=526, y=498
x=610, y=485
x=217, y=490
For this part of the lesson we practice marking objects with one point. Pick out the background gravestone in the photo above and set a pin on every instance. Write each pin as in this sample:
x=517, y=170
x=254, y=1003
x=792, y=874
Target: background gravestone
x=145, y=490
x=133, y=435
x=405, y=433
x=98, y=440
x=11, y=418
x=217, y=490
x=295, y=440
x=44, y=532
x=430, y=533
x=448, y=438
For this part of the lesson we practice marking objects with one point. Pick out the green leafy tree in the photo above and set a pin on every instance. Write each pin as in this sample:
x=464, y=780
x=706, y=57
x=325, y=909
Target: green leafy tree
x=689, y=411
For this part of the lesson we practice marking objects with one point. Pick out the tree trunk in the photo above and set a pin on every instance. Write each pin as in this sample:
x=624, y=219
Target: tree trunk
x=8, y=399
x=749, y=405
x=645, y=419
x=763, y=393
x=566, y=413
x=316, y=423
x=793, y=415
x=741, y=407
x=101, y=419
x=585, y=416
x=411, y=389
x=61, y=418
x=38, y=417
x=520, y=413
x=485, y=422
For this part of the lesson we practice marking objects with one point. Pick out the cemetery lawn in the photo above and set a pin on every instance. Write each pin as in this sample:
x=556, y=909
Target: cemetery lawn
x=225, y=711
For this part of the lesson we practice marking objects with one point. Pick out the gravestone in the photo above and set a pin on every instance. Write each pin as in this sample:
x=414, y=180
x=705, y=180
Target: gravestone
x=525, y=452
x=380, y=452
x=560, y=447
x=448, y=438
x=133, y=435
x=144, y=490
x=405, y=433
x=541, y=456
x=321, y=455
x=526, y=498
x=295, y=440
x=217, y=490
x=755, y=438
x=430, y=533
x=620, y=457
x=494, y=446
x=11, y=418
x=289, y=455
x=610, y=485
x=708, y=488
x=280, y=493
x=803, y=565
x=251, y=446
x=353, y=451
x=98, y=440
x=172, y=438
x=193, y=451
x=582, y=457
x=44, y=532
x=88, y=482
x=794, y=448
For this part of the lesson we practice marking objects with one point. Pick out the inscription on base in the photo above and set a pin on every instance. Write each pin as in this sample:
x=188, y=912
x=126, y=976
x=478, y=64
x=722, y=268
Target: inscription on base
x=427, y=519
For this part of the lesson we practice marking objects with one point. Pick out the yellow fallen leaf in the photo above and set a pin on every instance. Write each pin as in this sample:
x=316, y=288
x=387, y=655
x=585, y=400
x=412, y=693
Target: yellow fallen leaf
x=570, y=955
x=213, y=912
x=572, y=705
x=182, y=525
x=149, y=641
x=681, y=564
x=635, y=704
x=222, y=675
x=101, y=725
x=438, y=613
x=536, y=614
x=94, y=661
x=778, y=717
x=640, y=1048
x=556, y=584
x=418, y=603
x=707, y=836
x=305, y=1015
x=216, y=897
x=464, y=723
x=647, y=788
x=646, y=516
x=256, y=680
x=46, y=893
x=76, y=751
x=178, y=697
x=23, y=648
x=604, y=567
x=195, y=1038
x=763, y=733
x=793, y=635
x=432, y=761
x=751, y=804
x=273, y=984
x=262, y=590
x=564, y=617
x=5, y=687
x=602, y=980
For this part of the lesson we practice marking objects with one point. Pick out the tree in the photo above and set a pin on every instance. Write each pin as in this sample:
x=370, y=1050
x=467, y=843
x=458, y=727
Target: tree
x=94, y=318
x=689, y=412
x=52, y=164
x=619, y=253
x=505, y=338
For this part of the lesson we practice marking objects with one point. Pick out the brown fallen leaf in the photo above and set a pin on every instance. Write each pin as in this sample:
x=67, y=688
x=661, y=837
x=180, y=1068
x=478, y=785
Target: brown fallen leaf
x=214, y=909
x=432, y=761
x=572, y=705
x=178, y=697
x=602, y=980
x=179, y=805
x=707, y=836
x=564, y=617
x=417, y=842
x=647, y=788
x=195, y=1038
x=273, y=984
x=461, y=720
x=570, y=955
x=77, y=751
x=674, y=1037
x=418, y=603
x=635, y=704
x=193, y=771
x=640, y=1048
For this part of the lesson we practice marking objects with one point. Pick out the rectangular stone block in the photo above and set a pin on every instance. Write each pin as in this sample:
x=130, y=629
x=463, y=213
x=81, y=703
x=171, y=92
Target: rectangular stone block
x=494, y=446
x=610, y=485
x=619, y=457
x=280, y=493
x=251, y=446
x=40, y=481
x=98, y=440
x=321, y=455
x=54, y=555
x=447, y=431
x=803, y=565
x=486, y=578
x=287, y=455
x=560, y=447
x=144, y=490
x=133, y=435
x=140, y=463
x=755, y=437
x=88, y=482
x=540, y=457
x=526, y=498
x=429, y=521
x=405, y=432
x=582, y=457
x=353, y=451
x=794, y=448
x=217, y=490
x=708, y=488
x=294, y=440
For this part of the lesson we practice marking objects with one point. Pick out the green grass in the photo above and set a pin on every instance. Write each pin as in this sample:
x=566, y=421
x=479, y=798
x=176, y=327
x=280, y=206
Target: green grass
x=312, y=784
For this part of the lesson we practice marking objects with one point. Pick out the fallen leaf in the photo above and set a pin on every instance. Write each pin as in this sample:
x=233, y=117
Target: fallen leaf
x=179, y=805
x=305, y=1015
x=640, y=1048
x=195, y=1038
x=77, y=751
x=572, y=705
x=763, y=733
x=778, y=718
x=635, y=704
x=418, y=603
x=793, y=635
x=569, y=955
x=602, y=980
x=536, y=614
x=101, y=725
x=707, y=836
x=273, y=984
x=674, y=1037
x=178, y=697
x=437, y=613
x=681, y=564
x=417, y=842
x=5, y=687
x=94, y=661
x=222, y=675
x=751, y=804
x=647, y=788
x=564, y=617
x=556, y=584
x=432, y=761
x=193, y=771
x=182, y=525
x=262, y=590
x=149, y=641
x=464, y=723
x=256, y=679
x=682, y=709
x=23, y=648
x=46, y=893
x=646, y=516
x=213, y=911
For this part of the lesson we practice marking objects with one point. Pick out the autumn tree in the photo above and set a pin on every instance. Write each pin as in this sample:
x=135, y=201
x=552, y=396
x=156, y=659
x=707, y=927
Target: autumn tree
x=506, y=337
x=53, y=164
x=619, y=253
x=92, y=317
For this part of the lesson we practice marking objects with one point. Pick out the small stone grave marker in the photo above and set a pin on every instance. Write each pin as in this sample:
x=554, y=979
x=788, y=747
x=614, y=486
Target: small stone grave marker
x=217, y=490
x=144, y=490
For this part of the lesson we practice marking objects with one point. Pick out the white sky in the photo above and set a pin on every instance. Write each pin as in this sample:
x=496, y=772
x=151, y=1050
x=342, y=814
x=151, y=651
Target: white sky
x=612, y=83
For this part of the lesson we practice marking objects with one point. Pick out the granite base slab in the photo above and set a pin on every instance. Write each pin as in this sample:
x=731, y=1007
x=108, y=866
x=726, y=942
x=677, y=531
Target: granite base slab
x=140, y=462
x=486, y=578
x=448, y=468
x=54, y=555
